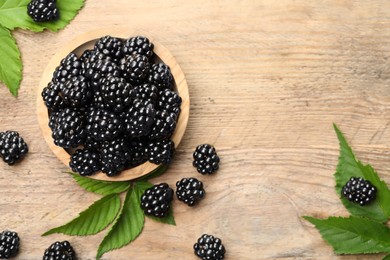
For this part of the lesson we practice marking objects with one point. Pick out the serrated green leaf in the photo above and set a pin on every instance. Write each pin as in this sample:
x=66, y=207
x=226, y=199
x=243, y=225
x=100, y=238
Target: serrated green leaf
x=13, y=14
x=127, y=226
x=348, y=166
x=153, y=174
x=101, y=187
x=10, y=62
x=353, y=235
x=93, y=220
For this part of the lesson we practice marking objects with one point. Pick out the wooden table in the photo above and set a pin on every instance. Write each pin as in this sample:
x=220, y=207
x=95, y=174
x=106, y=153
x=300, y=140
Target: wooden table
x=267, y=79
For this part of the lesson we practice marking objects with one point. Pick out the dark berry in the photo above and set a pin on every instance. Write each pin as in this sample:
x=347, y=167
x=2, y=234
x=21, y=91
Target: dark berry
x=60, y=251
x=134, y=68
x=69, y=67
x=43, y=10
x=138, y=45
x=145, y=92
x=189, y=190
x=163, y=127
x=206, y=160
x=52, y=95
x=85, y=162
x=209, y=247
x=156, y=200
x=110, y=46
x=68, y=128
x=115, y=93
x=139, y=118
x=359, y=191
x=114, y=156
x=160, y=75
x=160, y=152
x=103, y=125
x=9, y=244
x=12, y=147
x=169, y=101
x=77, y=92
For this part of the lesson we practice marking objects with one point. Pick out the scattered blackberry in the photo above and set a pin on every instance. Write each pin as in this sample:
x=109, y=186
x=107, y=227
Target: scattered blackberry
x=190, y=191
x=114, y=156
x=160, y=75
x=43, y=10
x=116, y=93
x=163, y=127
x=97, y=67
x=206, y=160
x=60, y=251
x=139, y=118
x=77, y=92
x=69, y=67
x=156, y=200
x=137, y=153
x=138, y=45
x=68, y=128
x=9, y=244
x=12, y=147
x=103, y=125
x=52, y=95
x=85, y=162
x=110, y=46
x=359, y=191
x=146, y=92
x=209, y=247
x=134, y=68
x=160, y=152
x=170, y=101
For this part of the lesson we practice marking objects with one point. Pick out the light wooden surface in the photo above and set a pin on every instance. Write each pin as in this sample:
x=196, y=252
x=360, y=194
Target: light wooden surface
x=266, y=79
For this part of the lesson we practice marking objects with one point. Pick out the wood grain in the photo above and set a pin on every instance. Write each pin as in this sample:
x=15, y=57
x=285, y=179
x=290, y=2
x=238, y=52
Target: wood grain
x=266, y=80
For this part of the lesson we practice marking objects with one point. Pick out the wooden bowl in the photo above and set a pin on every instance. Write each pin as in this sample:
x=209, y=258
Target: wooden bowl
x=86, y=41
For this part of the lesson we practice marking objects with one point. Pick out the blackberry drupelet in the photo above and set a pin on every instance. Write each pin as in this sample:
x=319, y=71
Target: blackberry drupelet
x=12, y=147
x=163, y=127
x=103, y=125
x=139, y=118
x=68, y=128
x=69, y=67
x=160, y=152
x=77, y=92
x=9, y=244
x=170, y=101
x=43, y=10
x=134, y=68
x=160, y=75
x=190, y=191
x=114, y=156
x=60, y=251
x=52, y=95
x=85, y=162
x=209, y=247
x=110, y=46
x=115, y=93
x=145, y=92
x=156, y=200
x=138, y=45
x=206, y=160
x=359, y=191
x=97, y=67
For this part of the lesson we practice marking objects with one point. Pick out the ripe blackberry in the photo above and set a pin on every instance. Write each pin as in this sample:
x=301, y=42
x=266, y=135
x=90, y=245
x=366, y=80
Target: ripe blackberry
x=359, y=191
x=138, y=45
x=137, y=153
x=110, y=46
x=160, y=152
x=209, y=247
x=43, y=10
x=160, y=75
x=85, y=162
x=103, y=125
x=114, y=156
x=97, y=67
x=156, y=200
x=68, y=128
x=163, y=127
x=60, y=251
x=146, y=92
x=9, y=244
x=134, y=68
x=206, y=160
x=52, y=95
x=12, y=147
x=77, y=92
x=139, y=118
x=170, y=101
x=190, y=191
x=115, y=93
x=69, y=67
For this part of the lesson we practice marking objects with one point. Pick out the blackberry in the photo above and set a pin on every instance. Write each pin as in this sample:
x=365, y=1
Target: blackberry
x=160, y=75
x=52, y=95
x=69, y=67
x=77, y=92
x=160, y=152
x=9, y=244
x=134, y=68
x=60, y=251
x=209, y=247
x=190, y=191
x=43, y=10
x=139, y=118
x=359, y=191
x=156, y=200
x=115, y=93
x=137, y=153
x=114, y=156
x=138, y=45
x=170, y=101
x=103, y=125
x=163, y=127
x=110, y=46
x=68, y=128
x=12, y=147
x=146, y=92
x=98, y=66
x=85, y=162
x=206, y=160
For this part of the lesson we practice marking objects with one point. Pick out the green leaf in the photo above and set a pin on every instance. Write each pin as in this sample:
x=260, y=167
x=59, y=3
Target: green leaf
x=348, y=166
x=353, y=235
x=10, y=62
x=127, y=226
x=93, y=220
x=101, y=187
x=155, y=173
x=387, y=257
x=13, y=14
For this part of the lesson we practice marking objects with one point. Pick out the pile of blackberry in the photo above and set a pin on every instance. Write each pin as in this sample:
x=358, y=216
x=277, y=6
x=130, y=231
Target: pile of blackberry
x=115, y=105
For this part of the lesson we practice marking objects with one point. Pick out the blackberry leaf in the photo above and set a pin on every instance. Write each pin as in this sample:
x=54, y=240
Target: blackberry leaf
x=101, y=187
